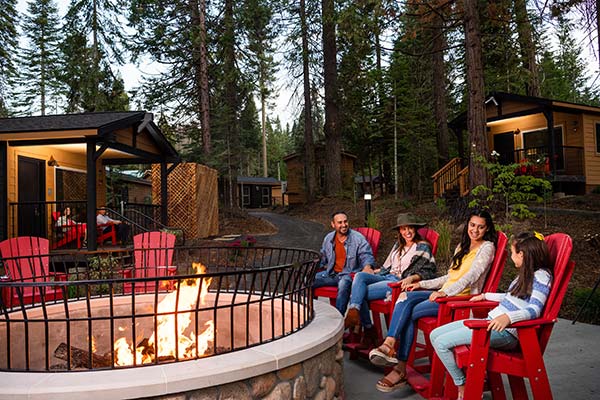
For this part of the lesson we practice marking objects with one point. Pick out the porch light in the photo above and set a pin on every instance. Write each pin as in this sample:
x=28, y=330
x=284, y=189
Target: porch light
x=52, y=162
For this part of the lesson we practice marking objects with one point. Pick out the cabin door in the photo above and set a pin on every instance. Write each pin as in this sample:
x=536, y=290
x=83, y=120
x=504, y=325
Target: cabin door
x=31, y=209
x=504, y=144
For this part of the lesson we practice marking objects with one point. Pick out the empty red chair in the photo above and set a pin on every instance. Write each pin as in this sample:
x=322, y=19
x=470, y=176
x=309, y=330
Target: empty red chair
x=153, y=257
x=26, y=260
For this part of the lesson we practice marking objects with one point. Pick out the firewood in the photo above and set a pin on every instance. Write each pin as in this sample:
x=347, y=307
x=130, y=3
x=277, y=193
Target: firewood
x=81, y=358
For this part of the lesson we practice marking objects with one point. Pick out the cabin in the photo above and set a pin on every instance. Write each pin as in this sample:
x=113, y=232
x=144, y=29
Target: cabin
x=258, y=192
x=48, y=162
x=550, y=138
x=296, y=188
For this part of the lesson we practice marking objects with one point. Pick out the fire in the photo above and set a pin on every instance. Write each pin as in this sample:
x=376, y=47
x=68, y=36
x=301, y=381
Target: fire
x=176, y=308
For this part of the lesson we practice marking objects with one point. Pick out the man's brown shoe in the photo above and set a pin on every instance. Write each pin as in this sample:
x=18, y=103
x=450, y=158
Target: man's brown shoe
x=352, y=318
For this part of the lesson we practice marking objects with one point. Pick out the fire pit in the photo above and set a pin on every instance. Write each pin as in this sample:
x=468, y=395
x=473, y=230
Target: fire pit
x=237, y=315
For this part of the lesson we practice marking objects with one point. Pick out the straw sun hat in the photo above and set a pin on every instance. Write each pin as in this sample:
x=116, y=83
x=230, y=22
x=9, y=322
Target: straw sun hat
x=408, y=219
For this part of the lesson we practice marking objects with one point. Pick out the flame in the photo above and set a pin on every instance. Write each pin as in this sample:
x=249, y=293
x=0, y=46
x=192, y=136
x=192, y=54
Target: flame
x=176, y=309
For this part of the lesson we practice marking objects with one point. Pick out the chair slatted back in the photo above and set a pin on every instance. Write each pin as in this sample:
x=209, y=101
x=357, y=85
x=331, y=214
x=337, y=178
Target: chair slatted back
x=26, y=258
x=152, y=250
x=431, y=236
x=373, y=236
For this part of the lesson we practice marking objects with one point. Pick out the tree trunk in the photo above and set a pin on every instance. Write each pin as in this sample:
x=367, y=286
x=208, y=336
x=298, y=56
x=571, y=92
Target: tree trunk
x=476, y=118
x=440, y=108
x=231, y=99
x=525, y=33
x=198, y=10
x=333, y=140
x=309, y=149
x=263, y=119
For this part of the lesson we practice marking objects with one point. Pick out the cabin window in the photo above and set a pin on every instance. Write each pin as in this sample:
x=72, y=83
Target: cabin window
x=246, y=195
x=266, y=196
x=598, y=137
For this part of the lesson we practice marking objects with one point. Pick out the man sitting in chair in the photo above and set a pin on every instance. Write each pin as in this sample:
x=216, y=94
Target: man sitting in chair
x=344, y=251
x=121, y=228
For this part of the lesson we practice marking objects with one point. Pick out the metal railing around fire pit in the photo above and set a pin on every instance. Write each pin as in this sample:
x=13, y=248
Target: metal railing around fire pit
x=103, y=310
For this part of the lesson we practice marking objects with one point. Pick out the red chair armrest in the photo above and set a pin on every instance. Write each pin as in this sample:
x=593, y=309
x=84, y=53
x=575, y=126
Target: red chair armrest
x=60, y=276
x=448, y=299
x=476, y=323
x=486, y=304
x=394, y=284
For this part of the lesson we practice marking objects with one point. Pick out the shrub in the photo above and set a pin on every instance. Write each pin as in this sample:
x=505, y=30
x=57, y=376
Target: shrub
x=510, y=192
x=444, y=251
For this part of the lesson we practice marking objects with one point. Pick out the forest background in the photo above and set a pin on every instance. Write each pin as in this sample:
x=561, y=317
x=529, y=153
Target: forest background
x=378, y=78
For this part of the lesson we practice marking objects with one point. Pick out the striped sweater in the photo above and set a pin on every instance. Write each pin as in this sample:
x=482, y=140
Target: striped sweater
x=522, y=309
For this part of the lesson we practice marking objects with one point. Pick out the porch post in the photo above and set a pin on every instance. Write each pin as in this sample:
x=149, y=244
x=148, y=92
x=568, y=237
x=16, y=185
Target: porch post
x=3, y=191
x=551, y=140
x=163, y=193
x=92, y=233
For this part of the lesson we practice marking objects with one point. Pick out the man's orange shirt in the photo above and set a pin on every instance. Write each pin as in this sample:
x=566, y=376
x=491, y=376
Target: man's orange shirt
x=340, y=255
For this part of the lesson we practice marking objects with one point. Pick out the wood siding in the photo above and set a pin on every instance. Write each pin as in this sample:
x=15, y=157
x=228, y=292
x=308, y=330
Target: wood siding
x=591, y=157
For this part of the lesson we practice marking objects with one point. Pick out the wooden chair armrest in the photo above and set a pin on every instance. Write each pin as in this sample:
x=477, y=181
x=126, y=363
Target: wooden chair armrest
x=482, y=323
x=448, y=299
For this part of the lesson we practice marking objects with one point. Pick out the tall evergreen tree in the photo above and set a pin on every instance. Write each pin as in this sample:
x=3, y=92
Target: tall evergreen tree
x=38, y=78
x=260, y=27
x=8, y=44
x=100, y=20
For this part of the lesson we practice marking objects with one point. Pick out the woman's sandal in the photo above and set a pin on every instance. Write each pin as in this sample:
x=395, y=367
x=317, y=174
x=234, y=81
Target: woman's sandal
x=383, y=356
x=387, y=386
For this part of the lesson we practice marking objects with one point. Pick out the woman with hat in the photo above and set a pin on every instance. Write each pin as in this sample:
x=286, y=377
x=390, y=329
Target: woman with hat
x=410, y=260
x=466, y=275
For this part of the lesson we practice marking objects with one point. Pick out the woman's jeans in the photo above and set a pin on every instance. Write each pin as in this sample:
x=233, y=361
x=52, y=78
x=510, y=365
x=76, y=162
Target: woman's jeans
x=447, y=337
x=406, y=313
x=343, y=283
x=367, y=287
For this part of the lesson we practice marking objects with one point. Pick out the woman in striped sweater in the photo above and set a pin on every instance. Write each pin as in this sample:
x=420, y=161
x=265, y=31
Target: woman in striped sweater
x=525, y=300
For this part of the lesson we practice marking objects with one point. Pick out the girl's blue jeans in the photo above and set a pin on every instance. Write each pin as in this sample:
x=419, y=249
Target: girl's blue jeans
x=447, y=337
x=406, y=313
x=367, y=287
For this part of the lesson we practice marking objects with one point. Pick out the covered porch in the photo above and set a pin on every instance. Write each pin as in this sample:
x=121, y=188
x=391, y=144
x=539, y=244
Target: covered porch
x=50, y=162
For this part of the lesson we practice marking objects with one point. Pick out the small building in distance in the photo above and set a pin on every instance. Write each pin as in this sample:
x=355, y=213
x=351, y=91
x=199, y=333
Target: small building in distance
x=257, y=192
x=296, y=189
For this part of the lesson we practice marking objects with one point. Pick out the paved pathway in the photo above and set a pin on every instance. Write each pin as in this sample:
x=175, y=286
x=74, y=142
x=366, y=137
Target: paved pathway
x=572, y=358
x=291, y=231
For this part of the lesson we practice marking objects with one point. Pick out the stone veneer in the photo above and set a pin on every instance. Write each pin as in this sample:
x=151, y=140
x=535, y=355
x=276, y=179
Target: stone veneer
x=318, y=378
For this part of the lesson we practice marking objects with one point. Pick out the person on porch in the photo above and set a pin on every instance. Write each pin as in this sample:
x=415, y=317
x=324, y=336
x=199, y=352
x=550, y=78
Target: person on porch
x=107, y=222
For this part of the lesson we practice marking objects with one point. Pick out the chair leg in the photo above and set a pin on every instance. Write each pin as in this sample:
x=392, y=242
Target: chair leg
x=496, y=386
x=536, y=370
x=480, y=345
x=517, y=387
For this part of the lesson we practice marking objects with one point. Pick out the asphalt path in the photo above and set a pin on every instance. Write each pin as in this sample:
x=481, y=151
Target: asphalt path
x=291, y=232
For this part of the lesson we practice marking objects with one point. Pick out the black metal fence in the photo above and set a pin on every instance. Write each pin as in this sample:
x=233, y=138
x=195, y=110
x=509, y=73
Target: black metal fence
x=104, y=310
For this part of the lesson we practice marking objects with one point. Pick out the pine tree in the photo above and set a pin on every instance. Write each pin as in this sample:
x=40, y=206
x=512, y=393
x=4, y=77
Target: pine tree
x=38, y=78
x=8, y=44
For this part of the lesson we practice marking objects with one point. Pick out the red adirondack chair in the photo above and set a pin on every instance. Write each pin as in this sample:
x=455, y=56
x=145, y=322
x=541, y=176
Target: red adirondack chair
x=527, y=360
x=153, y=257
x=386, y=308
x=373, y=236
x=381, y=306
x=67, y=233
x=26, y=260
x=110, y=234
x=423, y=350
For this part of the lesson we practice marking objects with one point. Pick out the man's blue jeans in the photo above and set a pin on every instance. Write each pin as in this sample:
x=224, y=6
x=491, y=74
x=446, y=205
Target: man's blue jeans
x=343, y=283
x=406, y=313
x=367, y=287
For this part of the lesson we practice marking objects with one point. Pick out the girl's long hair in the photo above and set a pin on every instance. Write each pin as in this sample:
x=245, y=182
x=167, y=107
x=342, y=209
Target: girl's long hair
x=465, y=241
x=535, y=256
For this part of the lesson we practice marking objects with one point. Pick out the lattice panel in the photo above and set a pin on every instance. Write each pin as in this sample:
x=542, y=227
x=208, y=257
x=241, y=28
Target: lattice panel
x=71, y=185
x=192, y=199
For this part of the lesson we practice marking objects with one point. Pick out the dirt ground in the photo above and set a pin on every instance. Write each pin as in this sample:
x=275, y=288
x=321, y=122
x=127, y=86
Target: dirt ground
x=556, y=218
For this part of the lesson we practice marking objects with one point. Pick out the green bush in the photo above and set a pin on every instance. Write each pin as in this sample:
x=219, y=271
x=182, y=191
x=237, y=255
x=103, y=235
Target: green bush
x=510, y=193
x=444, y=251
